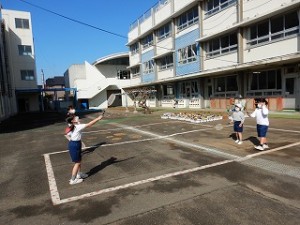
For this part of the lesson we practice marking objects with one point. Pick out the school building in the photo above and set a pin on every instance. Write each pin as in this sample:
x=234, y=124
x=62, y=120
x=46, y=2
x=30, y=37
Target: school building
x=204, y=53
x=17, y=64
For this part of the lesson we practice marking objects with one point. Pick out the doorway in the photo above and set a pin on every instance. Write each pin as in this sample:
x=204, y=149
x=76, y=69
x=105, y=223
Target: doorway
x=292, y=92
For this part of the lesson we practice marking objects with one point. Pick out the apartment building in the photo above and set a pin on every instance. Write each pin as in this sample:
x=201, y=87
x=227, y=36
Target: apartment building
x=18, y=69
x=205, y=53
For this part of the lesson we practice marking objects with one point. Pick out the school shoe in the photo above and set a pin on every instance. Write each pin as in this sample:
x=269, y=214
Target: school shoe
x=259, y=147
x=240, y=142
x=81, y=175
x=265, y=146
x=76, y=181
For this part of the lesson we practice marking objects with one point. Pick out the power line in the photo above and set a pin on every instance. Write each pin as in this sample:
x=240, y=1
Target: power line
x=74, y=20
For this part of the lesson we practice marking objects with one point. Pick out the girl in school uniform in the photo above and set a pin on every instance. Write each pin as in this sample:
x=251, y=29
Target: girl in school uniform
x=74, y=136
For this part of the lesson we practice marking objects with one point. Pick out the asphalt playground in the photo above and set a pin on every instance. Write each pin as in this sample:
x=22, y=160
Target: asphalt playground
x=144, y=170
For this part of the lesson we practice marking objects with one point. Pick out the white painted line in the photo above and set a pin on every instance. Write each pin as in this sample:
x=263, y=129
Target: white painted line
x=168, y=175
x=145, y=125
x=183, y=143
x=267, y=151
x=51, y=179
x=156, y=137
x=55, y=194
x=75, y=198
x=271, y=128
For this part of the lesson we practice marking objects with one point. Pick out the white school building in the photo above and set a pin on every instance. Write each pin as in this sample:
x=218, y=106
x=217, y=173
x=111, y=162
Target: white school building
x=205, y=53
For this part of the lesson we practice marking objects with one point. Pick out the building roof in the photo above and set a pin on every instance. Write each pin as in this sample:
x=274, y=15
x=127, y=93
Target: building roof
x=55, y=81
x=121, y=58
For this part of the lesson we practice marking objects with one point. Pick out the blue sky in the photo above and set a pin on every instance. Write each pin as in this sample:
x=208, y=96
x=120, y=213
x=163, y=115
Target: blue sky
x=60, y=43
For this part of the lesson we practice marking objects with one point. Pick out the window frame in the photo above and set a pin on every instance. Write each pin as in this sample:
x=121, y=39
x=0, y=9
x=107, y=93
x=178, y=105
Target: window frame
x=255, y=39
x=136, y=71
x=212, y=51
x=148, y=67
x=261, y=85
x=217, y=6
x=27, y=75
x=25, y=50
x=134, y=48
x=147, y=41
x=21, y=23
x=226, y=91
x=187, y=54
x=164, y=32
x=183, y=21
x=165, y=62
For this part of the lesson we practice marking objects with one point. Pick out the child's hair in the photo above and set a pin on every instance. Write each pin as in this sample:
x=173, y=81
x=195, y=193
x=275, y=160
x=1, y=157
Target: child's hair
x=70, y=107
x=258, y=100
x=70, y=121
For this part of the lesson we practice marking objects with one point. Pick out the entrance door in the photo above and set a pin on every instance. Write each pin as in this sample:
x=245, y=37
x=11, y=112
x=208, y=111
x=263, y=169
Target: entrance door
x=292, y=92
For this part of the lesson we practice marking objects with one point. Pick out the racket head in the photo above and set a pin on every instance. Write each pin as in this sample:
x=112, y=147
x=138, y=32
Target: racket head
x=219, y=126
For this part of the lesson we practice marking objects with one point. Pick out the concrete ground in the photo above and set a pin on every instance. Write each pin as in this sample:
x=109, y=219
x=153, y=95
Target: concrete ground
x=147, y=170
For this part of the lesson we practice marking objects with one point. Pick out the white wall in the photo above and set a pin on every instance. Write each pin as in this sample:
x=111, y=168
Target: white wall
x=15, y=37
x=133, y=34
x=180, y=4
x=134, y=59
x=164, y=46
x=256, y=8
x=164, y=74
x=146, y=25
x=76, y=71
x=163, y=13
x=220, y=61
x=282, y=47
x=220, y=21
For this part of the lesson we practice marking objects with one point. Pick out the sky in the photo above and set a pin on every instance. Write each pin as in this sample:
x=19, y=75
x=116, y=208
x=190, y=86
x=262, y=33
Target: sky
x=60, y=42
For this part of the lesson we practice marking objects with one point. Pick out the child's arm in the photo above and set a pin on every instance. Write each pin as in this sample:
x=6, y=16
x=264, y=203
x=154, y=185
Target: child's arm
x=94, y=121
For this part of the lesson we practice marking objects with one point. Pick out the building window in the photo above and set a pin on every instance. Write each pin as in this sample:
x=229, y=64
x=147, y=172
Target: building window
x=147, y=41
x=25, y=50
x=226, y=86
x=27, y=75
x=189, y=89
x=168, y=91
x=134, y=49
x=164, y=32
x=222, y=45
x=135, y=71
x=265, y=80
x=187, y=54
x=187, y=19
x=148, y=67
x=215, y=6
x=275, y=28
x=22, y=23
x=123, y=74
x=165, y=62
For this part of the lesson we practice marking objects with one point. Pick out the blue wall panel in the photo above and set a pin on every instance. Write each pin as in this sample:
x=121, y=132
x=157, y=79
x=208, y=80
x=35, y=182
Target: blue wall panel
x=150, y=77
x=181, y=42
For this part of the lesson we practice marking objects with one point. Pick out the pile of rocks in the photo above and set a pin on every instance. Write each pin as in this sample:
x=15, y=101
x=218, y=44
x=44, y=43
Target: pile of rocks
x=192, y=117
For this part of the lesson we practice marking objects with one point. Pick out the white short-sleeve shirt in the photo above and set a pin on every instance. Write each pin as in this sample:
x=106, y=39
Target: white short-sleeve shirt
x=75, y=135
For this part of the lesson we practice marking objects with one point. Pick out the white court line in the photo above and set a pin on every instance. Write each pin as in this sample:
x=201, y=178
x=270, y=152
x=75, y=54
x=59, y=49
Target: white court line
x=52, y=182
x=55, y=194
x=145, y=125
x=156, y=137
x=277, y=129
x=57, y=201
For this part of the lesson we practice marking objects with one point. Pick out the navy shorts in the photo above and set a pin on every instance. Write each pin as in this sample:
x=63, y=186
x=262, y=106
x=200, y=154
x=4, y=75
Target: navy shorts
x=262, y=130
x=236, y=127
x=75, y=150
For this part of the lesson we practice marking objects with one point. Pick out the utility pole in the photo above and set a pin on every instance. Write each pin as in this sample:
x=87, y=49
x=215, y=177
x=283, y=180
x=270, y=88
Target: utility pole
x=43, y=88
